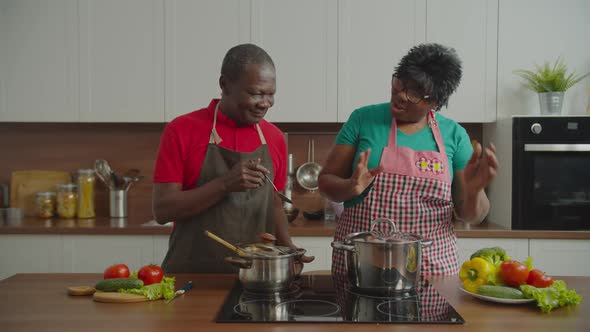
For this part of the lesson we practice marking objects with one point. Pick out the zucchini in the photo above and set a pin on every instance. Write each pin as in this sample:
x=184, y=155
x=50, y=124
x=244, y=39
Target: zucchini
x=500, y=291
x=114, y=284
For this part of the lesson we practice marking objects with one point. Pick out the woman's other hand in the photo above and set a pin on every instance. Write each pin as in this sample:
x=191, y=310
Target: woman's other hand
x=362, y=176
x=481, y=168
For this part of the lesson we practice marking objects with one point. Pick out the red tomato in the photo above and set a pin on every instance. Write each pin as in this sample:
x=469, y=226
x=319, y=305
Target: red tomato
x=116, y=271
x=514, y=273
x=538, y=279
x=150, y=274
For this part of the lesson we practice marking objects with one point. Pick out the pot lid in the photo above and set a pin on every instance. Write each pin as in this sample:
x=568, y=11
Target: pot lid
x=383, y=231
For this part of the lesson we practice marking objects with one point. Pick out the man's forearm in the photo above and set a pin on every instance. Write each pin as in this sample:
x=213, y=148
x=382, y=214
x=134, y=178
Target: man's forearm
x=180, y=205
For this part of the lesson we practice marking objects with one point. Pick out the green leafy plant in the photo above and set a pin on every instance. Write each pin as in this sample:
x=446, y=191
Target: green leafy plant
x=550, y=78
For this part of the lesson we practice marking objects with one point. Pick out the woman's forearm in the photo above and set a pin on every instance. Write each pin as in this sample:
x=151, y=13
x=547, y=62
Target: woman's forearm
x=474, y=208
x=335, y=188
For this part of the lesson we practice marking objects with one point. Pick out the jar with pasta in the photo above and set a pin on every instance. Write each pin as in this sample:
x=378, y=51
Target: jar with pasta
x=45, y=204
x=67, y=200
x=86, y=180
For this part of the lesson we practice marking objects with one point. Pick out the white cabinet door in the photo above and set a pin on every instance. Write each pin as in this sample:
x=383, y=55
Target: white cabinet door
x=561, y=257
x=301, y=38
x=471, y=27
x=121, y=61
x=318, y=246
x=160, y=248
x=516, y=248
x=30, y=254
x=373, y=36
x=38, y=61
x=94, y=253
x=198, y=34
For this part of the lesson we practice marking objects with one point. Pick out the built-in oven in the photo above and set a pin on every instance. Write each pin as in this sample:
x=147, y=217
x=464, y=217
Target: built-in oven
x=551, y=173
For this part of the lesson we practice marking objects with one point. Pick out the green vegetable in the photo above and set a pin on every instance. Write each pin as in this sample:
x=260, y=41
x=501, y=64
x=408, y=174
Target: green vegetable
x=163, y=289
x=115, y=284
x=500, y=291
x=554, y=296
x=494, y=255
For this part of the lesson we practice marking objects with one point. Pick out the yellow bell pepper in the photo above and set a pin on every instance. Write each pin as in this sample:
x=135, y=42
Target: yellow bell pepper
x=475, y=272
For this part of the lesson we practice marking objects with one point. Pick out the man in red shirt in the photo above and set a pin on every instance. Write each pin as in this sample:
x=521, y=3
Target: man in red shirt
x=210, y=169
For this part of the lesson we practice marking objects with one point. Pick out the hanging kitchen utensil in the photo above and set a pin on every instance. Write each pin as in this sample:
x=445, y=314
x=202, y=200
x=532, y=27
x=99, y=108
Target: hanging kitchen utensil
x=281, y=195
x=308, y=173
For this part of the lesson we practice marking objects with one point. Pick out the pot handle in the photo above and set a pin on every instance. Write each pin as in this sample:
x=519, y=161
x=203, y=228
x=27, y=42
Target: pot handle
x=341, y=246
x=426, y=242
x=239, y=262
x=392, y=228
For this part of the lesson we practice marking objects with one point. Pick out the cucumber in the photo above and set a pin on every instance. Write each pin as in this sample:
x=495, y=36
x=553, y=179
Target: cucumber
x=114, y=284
x=500, y=291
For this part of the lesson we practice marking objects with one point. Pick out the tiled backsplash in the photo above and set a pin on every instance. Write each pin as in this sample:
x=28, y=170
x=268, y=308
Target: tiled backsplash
x=71, y=146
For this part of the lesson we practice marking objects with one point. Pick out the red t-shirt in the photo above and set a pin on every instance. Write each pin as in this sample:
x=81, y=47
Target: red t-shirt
x=184, y=143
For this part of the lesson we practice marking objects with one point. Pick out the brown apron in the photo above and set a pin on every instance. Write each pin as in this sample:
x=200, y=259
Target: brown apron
x=237, y=218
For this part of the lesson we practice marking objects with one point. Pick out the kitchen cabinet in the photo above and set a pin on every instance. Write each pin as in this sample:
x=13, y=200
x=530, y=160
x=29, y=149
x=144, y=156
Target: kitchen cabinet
x=318, y=246
x=94, y=253
x=372, y=38
x=38, y=61
x=30, y=254
x=301, y=38
x=516, y=248
x=198, y=34
x=121, y=60
x=561, y=257
x=366, y=63
x=471, y=27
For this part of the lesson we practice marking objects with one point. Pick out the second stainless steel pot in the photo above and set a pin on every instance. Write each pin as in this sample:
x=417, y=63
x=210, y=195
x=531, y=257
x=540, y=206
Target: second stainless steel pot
x=259, y=273
x=383, y=263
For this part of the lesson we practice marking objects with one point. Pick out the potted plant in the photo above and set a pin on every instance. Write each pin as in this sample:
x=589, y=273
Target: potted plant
x=550, y=82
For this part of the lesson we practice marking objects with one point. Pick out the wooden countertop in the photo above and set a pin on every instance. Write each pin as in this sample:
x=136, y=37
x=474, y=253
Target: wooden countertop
x=38, y=302
x=299, y=227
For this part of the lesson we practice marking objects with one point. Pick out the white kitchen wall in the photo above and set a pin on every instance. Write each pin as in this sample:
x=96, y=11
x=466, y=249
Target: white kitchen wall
x=532, y=32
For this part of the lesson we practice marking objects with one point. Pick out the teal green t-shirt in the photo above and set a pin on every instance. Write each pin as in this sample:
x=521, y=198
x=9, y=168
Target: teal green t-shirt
x=368, y=127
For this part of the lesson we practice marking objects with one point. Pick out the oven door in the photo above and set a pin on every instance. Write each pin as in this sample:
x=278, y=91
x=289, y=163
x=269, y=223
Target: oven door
x=552, y=187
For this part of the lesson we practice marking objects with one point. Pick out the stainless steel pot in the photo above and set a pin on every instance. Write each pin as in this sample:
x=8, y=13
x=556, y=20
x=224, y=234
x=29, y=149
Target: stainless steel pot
x=383, y=262
x=262, y=273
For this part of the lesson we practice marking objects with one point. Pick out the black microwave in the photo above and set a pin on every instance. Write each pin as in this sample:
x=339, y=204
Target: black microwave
x=551, y=173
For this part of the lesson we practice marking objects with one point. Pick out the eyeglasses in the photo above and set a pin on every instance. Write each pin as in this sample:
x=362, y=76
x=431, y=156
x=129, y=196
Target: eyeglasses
x=413, y=96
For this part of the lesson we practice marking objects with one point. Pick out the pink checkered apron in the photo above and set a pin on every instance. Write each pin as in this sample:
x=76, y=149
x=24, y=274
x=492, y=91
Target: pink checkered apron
x=414, y=190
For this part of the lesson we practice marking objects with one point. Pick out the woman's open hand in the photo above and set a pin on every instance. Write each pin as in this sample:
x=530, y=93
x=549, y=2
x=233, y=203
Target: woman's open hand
x=363, y=176
x=481, y=168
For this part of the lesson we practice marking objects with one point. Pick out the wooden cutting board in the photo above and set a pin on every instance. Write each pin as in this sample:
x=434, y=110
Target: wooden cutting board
x=113, y=297
x=25, y=184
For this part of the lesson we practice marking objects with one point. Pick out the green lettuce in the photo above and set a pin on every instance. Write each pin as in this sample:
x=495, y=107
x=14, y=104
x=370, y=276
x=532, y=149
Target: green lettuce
x=554, y=296
x=163, y=289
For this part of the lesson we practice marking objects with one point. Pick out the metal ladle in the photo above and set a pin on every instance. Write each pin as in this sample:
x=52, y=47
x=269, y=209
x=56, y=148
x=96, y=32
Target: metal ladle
x=308, y=173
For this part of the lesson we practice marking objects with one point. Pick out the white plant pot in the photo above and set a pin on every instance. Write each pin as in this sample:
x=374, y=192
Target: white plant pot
x=551, y=102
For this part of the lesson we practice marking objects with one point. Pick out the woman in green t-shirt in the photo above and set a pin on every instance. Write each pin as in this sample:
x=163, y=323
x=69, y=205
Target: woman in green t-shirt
x=403, y=161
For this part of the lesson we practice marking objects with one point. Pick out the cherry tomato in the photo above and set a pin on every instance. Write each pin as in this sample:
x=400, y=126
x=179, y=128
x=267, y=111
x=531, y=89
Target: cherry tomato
x=514, y=273
x=116, y=271
x=538, y=279
x=150, y=274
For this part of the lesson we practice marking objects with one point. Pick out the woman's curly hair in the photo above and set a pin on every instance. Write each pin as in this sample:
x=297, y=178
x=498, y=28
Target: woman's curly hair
x=435, y=68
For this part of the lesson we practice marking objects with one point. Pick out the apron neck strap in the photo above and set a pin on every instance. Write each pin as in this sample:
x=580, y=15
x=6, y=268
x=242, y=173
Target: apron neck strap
x=214, y=137
x=431, y=123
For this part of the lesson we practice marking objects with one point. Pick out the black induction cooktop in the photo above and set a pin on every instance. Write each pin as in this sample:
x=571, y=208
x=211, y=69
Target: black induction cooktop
x=314, y=299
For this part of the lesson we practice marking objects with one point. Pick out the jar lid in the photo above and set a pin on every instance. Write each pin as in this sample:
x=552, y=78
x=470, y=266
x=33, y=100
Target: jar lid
x=86, y=171
x=46, y=194
x=67, y=186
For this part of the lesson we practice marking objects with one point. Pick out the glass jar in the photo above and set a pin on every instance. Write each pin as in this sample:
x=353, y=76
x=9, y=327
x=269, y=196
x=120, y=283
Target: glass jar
x=45, y=204
x=86, y=180
x=67, y=200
